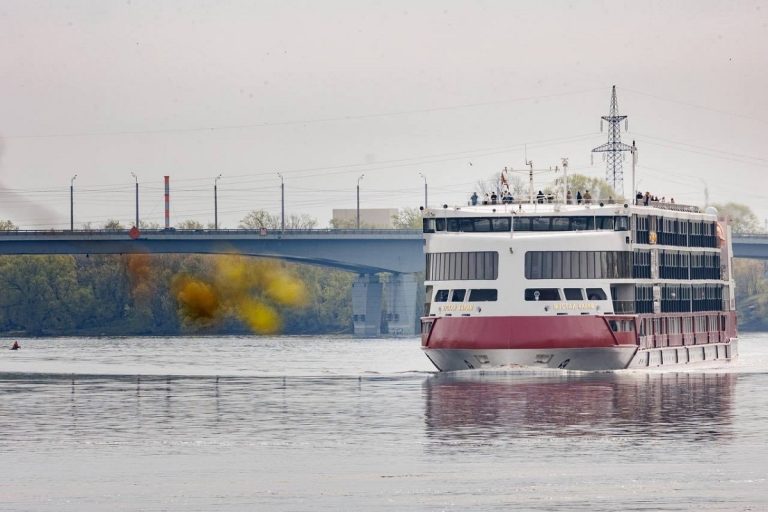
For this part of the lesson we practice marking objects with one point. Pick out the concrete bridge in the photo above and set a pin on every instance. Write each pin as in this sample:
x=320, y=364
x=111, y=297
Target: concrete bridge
x=752, y=246
x=365, y=252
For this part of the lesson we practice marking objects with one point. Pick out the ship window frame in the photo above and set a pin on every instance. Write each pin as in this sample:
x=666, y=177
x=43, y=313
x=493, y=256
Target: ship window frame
x=462, y=292
x=530, y=294
x=442, y=295
x=599, y=292
x=569, y=294
x=483, y=295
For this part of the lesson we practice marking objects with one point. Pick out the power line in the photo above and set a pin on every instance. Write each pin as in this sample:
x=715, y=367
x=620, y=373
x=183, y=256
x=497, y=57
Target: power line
x=295, y=122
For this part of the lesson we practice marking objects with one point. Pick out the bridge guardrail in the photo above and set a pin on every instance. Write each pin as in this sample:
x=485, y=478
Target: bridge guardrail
x=176, y=231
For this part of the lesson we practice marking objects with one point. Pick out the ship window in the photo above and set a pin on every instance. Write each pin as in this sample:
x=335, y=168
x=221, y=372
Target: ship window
x=573, y=294
x=441, y=296
x=483, y=295
x=582, y=223
x=622, y=223
x=522, y=224
x=440, y=224
x=458, y=295
x=429, y=225
x=596, y=294
x=501, y=223
x=605, y=223
x=482, y=225
x=540, y=224
x=560, y=224
x=535, y=294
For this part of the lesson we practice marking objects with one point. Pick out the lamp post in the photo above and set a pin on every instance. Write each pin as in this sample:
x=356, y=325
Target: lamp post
x=282, y=203
x=137, y=198
x=72, y=203
x=426, y=204
x=358, y=199
x=216, y=202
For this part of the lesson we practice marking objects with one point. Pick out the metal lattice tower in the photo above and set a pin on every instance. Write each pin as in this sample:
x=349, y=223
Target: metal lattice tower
x=614, y=147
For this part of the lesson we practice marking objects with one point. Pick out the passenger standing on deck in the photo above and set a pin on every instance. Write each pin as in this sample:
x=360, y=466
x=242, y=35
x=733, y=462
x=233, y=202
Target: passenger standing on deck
x=587, y=197
x=473, y=198
x=568, y=198
x=540, y=197
x=494, y=197
x=647, y=198
x=638, y=197
x=578, y=197
x=15, y=345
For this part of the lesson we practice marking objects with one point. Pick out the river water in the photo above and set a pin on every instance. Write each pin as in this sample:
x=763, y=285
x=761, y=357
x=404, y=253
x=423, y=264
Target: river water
x=311, y=423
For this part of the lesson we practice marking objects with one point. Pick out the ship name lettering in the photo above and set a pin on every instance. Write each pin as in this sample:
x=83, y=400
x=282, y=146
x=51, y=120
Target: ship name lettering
x=457, y=307
x=574, y=306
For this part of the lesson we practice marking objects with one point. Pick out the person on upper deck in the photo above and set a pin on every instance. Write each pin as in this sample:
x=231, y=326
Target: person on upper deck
x=587, y=197
x=540, y=197
x=507, y=198
x=647, y=199
x=473, y=198
x=638, y=197
x=494, y=198
x=568, y=198
x=578, y=197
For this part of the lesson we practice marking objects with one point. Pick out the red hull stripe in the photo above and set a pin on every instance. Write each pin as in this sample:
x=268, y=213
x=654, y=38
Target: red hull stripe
x=545, y=332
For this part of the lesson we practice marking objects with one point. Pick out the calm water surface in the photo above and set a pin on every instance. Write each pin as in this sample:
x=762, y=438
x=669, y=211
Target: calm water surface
x=305, y=423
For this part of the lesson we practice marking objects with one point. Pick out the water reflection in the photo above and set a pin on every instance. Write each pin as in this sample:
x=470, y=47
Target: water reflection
x=686, y=406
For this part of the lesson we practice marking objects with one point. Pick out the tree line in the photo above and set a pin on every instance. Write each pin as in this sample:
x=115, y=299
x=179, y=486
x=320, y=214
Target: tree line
x=140, y=295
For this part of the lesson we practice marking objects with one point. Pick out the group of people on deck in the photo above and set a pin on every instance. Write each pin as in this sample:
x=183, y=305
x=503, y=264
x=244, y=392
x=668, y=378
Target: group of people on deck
x=505, y=197
x=492, y=198
x=647, y=198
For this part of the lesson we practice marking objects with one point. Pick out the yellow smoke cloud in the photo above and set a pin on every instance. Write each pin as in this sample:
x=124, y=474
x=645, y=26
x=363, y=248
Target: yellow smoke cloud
x=241, y=288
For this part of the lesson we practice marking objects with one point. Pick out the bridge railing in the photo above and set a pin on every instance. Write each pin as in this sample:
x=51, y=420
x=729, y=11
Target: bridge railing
x=178, y=231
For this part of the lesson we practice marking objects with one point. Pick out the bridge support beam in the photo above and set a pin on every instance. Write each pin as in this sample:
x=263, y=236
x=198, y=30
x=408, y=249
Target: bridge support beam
x=402, y=304
x=366, y=305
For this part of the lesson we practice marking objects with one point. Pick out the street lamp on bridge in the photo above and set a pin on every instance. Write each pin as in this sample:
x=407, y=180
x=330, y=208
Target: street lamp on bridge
x=137, y=198
x=426, y=204
x=72, y=203
x=216, y=202
x=282, y=203
x=358, y=199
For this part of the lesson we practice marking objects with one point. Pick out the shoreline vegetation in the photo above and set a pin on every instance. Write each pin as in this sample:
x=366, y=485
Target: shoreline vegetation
x=135, y=295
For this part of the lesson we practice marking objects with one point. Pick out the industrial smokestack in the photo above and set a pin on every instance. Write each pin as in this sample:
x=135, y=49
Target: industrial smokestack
x=167, y=202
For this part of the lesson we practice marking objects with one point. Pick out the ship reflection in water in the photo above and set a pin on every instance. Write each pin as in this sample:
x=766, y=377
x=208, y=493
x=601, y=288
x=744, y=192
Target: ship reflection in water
x=482, y=406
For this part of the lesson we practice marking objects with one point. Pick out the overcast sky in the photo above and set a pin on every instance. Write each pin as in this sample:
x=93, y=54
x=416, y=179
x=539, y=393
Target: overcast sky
x=323, y=92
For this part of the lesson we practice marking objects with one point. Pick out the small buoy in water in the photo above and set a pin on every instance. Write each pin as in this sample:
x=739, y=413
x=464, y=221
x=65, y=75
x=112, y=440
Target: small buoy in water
x=15, y=345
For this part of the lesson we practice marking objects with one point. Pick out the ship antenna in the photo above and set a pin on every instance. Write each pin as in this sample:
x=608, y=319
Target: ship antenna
x=529, y=163
x=614, y=147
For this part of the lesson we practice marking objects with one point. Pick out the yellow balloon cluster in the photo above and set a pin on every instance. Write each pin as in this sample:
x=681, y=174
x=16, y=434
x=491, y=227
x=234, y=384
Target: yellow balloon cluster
x=246, y=289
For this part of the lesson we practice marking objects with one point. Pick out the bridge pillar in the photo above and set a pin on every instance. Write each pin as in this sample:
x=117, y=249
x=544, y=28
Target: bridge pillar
x=402, y=304
x=366, y=305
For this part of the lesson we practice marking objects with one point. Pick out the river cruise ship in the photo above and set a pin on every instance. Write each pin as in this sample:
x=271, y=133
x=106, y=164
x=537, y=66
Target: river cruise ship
x=577, y=286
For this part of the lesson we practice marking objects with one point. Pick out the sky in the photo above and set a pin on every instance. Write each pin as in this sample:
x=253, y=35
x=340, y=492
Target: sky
x=405, y=92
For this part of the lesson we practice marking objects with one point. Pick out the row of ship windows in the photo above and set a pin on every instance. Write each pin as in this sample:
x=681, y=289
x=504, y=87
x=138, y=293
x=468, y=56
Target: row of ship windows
x=484, y=265
x=578, y=264
x=682, y=325
x=541, y=223
x=449, y=266
x=531, y=294
x=667, y=231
